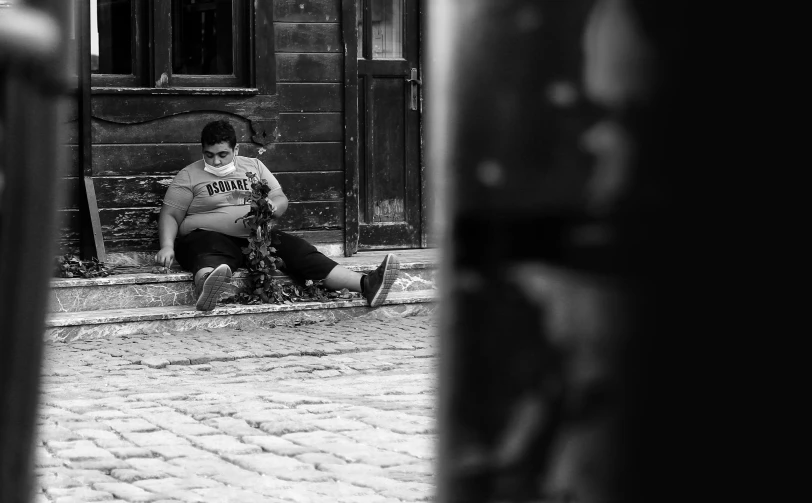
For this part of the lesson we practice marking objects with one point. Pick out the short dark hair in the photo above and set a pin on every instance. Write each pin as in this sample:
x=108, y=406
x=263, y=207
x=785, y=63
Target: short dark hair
x=217, y=132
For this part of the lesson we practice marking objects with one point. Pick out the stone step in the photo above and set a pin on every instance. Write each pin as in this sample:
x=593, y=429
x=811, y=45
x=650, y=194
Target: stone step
x=148, y=290
x=110, y=323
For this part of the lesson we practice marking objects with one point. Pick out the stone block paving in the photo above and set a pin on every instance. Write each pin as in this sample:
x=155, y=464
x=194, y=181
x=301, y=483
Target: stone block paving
x=324, y=412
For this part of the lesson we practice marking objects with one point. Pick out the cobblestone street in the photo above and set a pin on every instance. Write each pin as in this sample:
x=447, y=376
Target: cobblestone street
x=340, y=412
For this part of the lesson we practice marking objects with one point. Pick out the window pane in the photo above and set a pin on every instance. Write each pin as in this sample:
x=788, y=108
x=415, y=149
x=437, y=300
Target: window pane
x=387, y=29
x=202, y=38
x=111, y=37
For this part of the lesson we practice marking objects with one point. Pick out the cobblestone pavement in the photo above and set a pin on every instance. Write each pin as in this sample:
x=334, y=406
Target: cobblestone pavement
x=340, y=412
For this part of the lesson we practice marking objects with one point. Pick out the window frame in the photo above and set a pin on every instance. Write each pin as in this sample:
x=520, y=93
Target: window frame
x=152, y=52
x=239, y=17
x=139, y=61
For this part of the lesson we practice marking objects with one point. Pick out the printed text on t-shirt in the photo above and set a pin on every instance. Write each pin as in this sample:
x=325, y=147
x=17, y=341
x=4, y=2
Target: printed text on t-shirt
x=226, y=185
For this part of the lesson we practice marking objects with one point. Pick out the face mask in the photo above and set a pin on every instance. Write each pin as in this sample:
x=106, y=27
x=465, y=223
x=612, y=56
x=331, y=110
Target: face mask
x=223, y=170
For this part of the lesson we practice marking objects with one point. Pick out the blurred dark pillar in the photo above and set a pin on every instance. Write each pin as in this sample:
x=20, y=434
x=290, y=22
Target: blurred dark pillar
x=32, y=78
x=548, y=138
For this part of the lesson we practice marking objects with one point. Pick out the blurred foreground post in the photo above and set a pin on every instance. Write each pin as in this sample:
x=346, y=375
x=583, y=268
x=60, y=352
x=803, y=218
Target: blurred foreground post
x=546, y=121
x=32, y=78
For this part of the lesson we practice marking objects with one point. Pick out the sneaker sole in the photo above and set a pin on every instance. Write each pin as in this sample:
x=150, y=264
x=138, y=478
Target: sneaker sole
x=214, y=285
x=391, y=268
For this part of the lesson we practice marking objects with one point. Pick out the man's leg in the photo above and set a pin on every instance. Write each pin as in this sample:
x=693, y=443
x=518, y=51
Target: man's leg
x=302, y=259
x=212, y=257
x=341, y=277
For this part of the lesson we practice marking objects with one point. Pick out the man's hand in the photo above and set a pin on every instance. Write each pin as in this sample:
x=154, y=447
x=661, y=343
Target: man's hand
x=279, y=204
x=165, y=256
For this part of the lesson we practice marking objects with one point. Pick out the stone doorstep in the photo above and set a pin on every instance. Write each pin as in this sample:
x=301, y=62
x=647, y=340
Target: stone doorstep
x=123, y=322
x=178, y=312
x=148, y=290
x=362, y=262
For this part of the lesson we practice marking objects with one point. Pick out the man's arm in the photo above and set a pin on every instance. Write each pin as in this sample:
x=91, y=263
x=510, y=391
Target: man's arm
x=168, y=223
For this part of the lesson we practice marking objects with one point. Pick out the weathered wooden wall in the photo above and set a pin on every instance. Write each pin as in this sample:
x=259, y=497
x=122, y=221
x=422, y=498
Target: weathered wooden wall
x=309, y=141
x=70, y=181
x=294, y=125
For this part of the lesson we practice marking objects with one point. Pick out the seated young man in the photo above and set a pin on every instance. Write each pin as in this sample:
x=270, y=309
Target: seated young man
x=198, y=226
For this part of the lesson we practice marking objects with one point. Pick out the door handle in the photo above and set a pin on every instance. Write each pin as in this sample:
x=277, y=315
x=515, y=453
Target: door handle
x=414, y=91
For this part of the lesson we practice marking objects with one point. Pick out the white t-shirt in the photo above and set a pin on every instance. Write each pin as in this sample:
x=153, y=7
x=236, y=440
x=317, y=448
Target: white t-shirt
x=213, y=203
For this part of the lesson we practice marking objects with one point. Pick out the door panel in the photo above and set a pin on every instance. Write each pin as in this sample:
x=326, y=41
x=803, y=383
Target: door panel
x=388, y=126
x=388, y=178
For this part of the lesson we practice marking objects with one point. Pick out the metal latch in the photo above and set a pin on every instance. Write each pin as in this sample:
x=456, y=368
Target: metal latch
x=414, y=91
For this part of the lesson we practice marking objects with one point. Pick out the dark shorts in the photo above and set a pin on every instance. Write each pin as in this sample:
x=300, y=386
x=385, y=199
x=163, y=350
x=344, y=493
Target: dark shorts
x=200, y=249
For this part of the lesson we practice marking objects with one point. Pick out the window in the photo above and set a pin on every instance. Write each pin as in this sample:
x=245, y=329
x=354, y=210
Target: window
x=169, y=43
x=114, y=30
x=387, y=29
x=383, y=34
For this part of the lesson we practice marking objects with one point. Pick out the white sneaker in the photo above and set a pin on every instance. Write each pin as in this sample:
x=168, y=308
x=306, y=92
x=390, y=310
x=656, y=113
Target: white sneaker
x=211, y=286
x=378, y=282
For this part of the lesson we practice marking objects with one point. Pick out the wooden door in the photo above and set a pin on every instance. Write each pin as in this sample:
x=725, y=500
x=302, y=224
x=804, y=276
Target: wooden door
x=387, y=103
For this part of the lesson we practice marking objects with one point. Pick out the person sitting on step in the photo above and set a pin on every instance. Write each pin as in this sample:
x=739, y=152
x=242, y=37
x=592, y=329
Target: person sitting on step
x=199, y=228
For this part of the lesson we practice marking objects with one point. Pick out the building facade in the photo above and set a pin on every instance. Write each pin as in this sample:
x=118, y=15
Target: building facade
x=326, y=93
